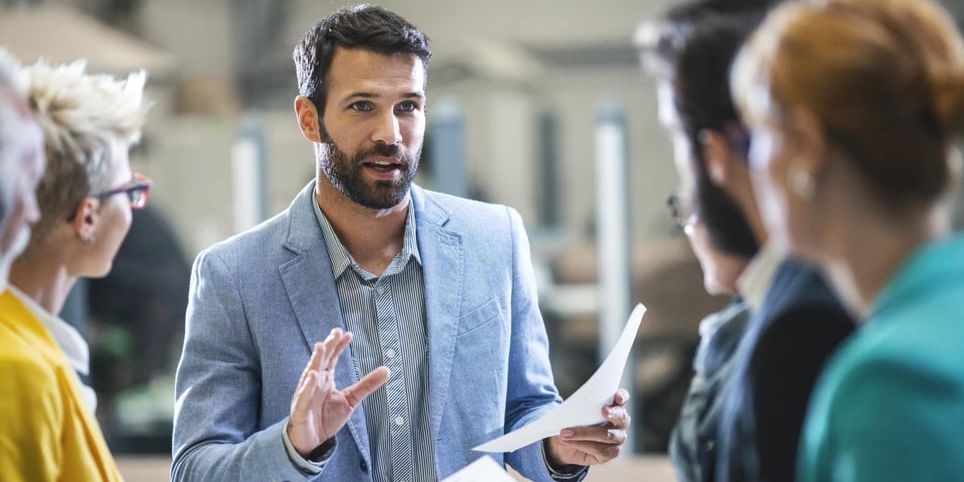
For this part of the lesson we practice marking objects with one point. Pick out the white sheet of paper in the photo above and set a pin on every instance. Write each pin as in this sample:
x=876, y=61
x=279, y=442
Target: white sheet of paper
x=482, y=470
x=585, y=406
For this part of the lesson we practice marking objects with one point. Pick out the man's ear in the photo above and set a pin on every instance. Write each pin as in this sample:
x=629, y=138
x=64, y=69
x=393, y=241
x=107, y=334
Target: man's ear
x=717, y=156
x=308, y=120
x=85, y=218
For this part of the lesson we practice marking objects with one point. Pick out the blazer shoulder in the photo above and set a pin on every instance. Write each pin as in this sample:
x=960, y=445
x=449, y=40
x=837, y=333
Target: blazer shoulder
x=473, y=216
x=255, y=242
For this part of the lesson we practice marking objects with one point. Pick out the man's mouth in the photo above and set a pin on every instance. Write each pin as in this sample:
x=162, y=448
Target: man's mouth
x=387, y=165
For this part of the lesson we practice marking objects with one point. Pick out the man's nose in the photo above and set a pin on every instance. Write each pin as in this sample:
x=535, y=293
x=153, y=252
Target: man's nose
x=387, y=131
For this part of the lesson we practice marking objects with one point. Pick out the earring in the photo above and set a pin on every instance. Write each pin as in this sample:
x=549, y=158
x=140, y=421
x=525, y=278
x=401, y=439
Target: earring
x=801, y=182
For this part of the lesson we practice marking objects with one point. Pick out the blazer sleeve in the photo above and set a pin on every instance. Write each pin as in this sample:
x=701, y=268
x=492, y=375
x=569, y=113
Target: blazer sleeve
x=32, y=413
x=531, y=388
x=218, y=390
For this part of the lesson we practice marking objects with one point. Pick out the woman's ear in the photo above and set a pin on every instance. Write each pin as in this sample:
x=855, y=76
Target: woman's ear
x=308, y=120
x=809, y=142
x=85, y=219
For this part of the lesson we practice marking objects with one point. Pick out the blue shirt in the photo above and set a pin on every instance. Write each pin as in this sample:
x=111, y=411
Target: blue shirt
x=386, y=316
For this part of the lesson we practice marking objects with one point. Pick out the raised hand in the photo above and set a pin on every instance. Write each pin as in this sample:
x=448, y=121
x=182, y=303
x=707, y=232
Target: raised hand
x=319, y=409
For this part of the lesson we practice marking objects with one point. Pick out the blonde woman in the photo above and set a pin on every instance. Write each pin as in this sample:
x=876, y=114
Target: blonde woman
x=85, y=198
x=854, y=106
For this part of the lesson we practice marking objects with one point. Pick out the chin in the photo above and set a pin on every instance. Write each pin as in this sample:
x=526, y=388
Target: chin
x=99, y=271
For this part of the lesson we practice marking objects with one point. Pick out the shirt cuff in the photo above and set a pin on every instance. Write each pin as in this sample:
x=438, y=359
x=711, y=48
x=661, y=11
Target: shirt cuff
x=566, y=472
x=308, y=467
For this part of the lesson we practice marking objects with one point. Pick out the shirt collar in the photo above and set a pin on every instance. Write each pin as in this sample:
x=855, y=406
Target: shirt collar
x=755, y=280
x=67, y=337
x=341, y=259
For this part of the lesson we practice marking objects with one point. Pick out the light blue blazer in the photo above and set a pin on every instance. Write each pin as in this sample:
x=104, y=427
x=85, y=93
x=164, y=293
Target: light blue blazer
x=259, y=300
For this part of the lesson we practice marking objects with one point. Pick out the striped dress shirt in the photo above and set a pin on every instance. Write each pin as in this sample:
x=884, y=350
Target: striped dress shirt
x=386, y=316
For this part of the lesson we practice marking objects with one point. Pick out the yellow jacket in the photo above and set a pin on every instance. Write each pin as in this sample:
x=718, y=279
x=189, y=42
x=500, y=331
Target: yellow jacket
x=46, y=434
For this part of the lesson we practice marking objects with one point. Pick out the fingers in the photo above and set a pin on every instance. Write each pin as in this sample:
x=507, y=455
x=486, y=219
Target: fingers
x=317, y=352
x=598, y=434
x=617, y=416
x=596, y=453
x=368, y=384
x=336, y=343
x=621, y=397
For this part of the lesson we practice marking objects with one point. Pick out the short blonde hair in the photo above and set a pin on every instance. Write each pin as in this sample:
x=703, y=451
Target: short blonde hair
x=885, y=79
x=82, y=116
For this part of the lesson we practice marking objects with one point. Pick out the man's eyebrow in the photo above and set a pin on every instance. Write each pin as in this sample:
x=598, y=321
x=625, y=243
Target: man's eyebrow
x=362, y=95
x=371, y=95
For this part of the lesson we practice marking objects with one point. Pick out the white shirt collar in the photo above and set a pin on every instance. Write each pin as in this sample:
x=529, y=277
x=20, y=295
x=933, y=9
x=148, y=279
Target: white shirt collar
x=755, y=280
x=69, y=340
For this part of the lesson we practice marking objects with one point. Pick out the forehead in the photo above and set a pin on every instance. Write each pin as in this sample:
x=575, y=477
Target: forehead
x=360, y=70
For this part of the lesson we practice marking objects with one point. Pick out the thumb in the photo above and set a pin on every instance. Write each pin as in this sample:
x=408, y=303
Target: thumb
x=368, y=384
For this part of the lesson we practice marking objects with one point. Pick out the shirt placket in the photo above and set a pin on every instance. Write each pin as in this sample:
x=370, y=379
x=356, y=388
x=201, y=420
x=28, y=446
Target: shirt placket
x=399, y=418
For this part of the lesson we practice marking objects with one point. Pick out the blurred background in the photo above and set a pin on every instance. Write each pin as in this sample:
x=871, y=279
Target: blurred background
x=537, y=104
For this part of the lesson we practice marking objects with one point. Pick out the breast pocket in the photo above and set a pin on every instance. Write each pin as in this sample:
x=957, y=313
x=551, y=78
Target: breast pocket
x=479, y=317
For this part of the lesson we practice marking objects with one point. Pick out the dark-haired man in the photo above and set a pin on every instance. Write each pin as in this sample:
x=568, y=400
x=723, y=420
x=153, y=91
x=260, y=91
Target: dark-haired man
x=374, y=330
x=744, y=413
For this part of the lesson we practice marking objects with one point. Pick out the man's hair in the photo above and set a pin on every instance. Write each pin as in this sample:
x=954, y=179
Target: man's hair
x=691, y=48
x=366, y=27
x=12, y=91
x=81, y=116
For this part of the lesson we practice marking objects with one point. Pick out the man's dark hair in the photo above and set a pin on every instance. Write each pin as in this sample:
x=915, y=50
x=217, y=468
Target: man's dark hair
x=692, y=47
x=367, y=27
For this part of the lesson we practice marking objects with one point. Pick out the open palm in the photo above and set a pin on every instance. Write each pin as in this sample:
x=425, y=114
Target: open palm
x=319, y=409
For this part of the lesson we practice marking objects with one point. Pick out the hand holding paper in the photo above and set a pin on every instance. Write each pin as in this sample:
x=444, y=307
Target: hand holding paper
x=585, y=406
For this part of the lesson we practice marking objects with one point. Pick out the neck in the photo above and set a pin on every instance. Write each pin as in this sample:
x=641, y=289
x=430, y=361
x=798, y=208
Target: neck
x=44, y=278
x=869, y=253
x=373, y=237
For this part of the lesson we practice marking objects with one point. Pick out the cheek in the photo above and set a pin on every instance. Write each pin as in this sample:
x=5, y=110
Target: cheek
x=702, y=246
x=119, y=224
x=413, y=132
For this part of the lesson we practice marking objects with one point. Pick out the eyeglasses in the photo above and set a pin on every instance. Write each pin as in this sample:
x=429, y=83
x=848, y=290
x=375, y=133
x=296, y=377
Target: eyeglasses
x=738, y=137
x=680, y=211
x=137, y=190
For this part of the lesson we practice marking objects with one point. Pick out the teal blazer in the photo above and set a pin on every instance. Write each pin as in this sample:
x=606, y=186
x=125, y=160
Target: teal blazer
x=890, y=406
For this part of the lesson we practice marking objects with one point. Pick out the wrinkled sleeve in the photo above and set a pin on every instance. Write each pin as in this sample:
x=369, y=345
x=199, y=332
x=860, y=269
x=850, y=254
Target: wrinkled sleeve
x=218, y=386
x=531, y=390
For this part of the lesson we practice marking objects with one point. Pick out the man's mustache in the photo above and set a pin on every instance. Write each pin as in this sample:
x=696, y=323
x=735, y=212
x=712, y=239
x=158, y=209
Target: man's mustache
x=387, y=150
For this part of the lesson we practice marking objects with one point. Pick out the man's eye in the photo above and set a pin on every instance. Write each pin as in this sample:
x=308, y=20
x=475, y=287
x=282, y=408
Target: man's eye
x=407, y=106
x=361, y=106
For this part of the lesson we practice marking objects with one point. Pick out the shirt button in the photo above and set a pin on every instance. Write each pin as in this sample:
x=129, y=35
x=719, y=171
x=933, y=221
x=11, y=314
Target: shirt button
x=380, y=290
x=363, y=466
x=399, y=421
x=390, y=353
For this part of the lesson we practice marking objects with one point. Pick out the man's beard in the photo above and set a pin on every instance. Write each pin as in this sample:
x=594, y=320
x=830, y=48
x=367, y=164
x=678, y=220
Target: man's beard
x=346, y=174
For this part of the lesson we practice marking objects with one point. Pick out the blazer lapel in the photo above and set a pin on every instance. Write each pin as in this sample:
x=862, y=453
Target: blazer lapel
x=311, y=290
x=441, y=253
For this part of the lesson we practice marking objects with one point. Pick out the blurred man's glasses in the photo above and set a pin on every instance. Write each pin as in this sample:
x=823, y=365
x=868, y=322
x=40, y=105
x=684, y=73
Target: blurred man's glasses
x=136, y=190
x=738, y=138
x=680, y=211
